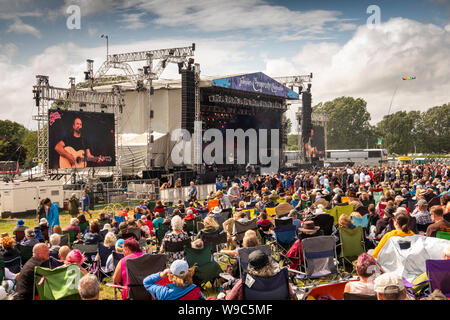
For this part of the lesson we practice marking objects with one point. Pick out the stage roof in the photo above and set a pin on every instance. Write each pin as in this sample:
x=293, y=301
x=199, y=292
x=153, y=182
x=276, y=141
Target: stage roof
x=257, y=82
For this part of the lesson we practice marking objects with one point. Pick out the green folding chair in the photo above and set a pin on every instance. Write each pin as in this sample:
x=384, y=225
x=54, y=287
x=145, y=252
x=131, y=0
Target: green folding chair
x=26, y=252
x=443, y=235
x=190, y=226
x=84, y=226
x=352, y=244
x=72, y=236
x=58, y=284
x=207, y=269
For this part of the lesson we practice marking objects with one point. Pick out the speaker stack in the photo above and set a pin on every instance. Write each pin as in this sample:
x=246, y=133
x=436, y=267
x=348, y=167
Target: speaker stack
x=188, y=100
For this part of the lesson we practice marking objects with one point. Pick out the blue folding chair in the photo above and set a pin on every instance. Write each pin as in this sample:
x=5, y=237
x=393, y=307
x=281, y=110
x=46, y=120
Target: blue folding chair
x=120, y=219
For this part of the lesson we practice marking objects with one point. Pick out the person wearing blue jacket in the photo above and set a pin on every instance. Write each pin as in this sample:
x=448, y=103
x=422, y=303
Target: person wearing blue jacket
x=52, y=214
x=181, y=288
x=85, y=202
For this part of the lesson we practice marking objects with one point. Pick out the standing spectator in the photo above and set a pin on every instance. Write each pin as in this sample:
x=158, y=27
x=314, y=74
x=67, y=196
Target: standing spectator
x=192, y=192
x=74, y=204
x=52, y=214
x=25, y=281
x=40, y=212
x=86, y=201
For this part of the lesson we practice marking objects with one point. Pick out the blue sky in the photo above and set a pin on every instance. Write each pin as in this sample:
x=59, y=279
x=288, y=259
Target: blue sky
x=328, y=38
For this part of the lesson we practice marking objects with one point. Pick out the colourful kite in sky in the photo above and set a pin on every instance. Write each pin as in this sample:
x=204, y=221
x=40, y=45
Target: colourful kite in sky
x=409, y=78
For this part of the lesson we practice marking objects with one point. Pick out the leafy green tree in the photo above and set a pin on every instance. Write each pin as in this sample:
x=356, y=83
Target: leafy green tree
x=348, y=124
x=11, y=150
x=30, y=144
x=292, y=143
x=12, y=130
x=435, y=126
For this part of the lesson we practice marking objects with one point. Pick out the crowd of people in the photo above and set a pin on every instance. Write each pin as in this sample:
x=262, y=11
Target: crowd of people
x=397, y=201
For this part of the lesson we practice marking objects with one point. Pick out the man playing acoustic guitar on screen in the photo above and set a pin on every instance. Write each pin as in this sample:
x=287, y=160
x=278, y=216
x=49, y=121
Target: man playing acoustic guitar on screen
x=74, y=150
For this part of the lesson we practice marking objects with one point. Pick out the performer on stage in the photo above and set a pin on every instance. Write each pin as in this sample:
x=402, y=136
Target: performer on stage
x=74, y=149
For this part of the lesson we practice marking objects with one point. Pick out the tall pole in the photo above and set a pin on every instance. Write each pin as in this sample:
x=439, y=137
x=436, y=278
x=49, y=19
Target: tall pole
x=107, y=44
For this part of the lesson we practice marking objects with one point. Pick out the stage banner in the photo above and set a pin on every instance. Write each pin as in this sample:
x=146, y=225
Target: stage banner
x=256, y=82
x=80, y=139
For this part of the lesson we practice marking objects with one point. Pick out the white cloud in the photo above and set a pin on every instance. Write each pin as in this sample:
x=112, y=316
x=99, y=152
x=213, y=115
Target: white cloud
x=372, y=63
x=92, y=31
x=132, y=21
x=19, y=27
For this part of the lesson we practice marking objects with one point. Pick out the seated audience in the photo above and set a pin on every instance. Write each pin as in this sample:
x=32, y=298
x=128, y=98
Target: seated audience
x=89, y=287
x=389, y=286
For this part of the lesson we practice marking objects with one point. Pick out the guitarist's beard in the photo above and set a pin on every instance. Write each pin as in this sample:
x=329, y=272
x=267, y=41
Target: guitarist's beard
x=78, y=131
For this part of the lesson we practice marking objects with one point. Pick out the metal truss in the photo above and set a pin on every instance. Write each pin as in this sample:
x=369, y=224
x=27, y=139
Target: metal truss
x=157, y=61
x=294, y=81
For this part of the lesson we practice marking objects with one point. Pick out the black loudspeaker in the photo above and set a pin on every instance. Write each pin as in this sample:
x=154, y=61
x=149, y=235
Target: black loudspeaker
x=188, y=100
x=152, y=174
x=306, y=116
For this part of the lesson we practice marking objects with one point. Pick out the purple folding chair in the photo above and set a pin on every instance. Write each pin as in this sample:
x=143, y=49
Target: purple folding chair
x=439, y=275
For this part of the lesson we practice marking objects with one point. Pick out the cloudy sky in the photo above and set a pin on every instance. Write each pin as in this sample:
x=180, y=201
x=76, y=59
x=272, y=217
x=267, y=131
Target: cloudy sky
x=329, y=38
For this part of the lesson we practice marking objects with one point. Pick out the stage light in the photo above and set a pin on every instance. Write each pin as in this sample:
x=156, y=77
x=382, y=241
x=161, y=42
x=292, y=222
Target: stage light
x=171, y=52
x=103, y=106
x=193, y=47
x=86, y=75
x=146, y=70
x=82, y=105
x=309, y=87
x=300, y=88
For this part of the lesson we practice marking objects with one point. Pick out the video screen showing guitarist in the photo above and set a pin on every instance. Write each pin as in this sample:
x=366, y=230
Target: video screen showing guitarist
x=314, y=149
x=74, y=149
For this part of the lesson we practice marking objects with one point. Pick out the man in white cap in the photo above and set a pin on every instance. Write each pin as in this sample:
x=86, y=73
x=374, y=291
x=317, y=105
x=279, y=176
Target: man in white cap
x=389, y=286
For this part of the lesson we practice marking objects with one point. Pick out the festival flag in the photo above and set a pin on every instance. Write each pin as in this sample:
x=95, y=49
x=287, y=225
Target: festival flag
x=409, y=78
x=379, y=141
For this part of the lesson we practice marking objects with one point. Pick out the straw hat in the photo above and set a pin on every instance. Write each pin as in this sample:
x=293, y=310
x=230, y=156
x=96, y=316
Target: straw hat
x=283, y=209
x=309, y=227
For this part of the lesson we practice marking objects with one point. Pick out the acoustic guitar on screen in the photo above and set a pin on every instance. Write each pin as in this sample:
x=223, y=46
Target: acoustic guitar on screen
x=80, y=160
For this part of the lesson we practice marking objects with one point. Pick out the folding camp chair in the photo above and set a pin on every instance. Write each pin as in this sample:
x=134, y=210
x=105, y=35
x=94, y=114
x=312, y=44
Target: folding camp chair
x=103, y=233
x=283, y=222
x=26, y=252
x=137, y=270
x=355, y=296
x=266, y=288
x=241, y=227
x=89, y=251
x=14, y=265
x=352, y=244
x=120, y=219
x=72, y=236
x=143, y=244
x=190, y=227
x=19, y=235
x=161, y=232
x=64, y=239
x=438, y=272
x=243, y=254
x=177, y=246
x=117, y=256
x=55, y=263
x=335, y=289
x=215, y=239
x=325, y=222
x=207, y=269
x=285, y=238
x=319, y=257
x=84, y=227
x=443, y=235
x=103, y=255
x=57, y=284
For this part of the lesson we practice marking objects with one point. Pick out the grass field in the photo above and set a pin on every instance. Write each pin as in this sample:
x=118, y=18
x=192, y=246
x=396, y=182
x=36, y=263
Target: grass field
x=7, y=225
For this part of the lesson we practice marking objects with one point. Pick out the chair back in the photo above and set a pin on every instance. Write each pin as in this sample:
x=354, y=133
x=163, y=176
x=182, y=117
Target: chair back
x=190, y=226
x=104, y=252
x=285, y=234
x=138, y=269
x=270, y=288
x=283, y=222
x=64, y=239
x=325, y=222
x=103, y=233
x=120, y=219
x=356, y=296
x=243, y=254
x=55, y=263
x=88, y=250
x=443, y=235
x=59, y=283
x=20, y=235
x=242, y=227
x=72, y=236
x=352, y=241
x=13, y=265
x=117, y=256
x=2, y=270
x=177, y=246
x=319, y=254
x=26, y=252
x=438, y=272
x=84, y=227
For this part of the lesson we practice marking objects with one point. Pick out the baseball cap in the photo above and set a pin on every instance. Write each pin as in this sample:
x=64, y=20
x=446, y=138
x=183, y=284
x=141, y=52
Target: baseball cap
x=258, y=259
x=388, y=283
x=179, y=268
x=119, y=243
